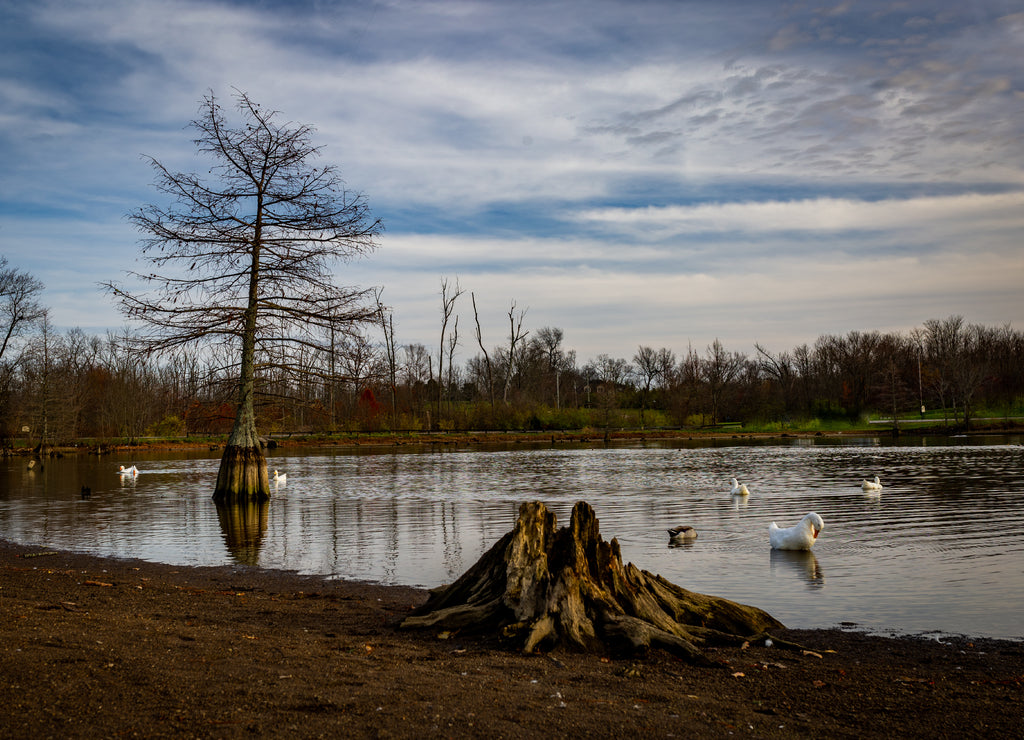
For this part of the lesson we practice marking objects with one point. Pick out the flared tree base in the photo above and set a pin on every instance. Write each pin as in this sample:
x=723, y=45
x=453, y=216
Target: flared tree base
x=242, y=477
x=543, y=588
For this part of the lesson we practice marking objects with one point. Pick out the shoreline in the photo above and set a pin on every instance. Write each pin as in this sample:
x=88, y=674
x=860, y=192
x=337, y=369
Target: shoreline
x=103, y=646
x=487, y=438
x=30, y=552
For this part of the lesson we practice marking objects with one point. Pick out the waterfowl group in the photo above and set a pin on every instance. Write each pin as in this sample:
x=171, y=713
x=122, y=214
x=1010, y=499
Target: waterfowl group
x=800, y=536
x=132, y=471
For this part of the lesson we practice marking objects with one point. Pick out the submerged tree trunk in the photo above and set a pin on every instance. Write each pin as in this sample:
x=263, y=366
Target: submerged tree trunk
x=243, y=468
x=242, y=476
x=542, y=588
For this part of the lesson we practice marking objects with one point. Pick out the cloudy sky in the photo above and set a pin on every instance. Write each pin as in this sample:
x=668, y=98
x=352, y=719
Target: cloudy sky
x=635, y=172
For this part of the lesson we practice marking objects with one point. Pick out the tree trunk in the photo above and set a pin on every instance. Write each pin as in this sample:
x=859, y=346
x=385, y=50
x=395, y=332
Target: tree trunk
x=243, y=468
x=541, y=588
x=242, y=476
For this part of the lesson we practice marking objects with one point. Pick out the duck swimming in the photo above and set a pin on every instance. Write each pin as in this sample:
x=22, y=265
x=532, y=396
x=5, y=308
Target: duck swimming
x=280, y=477
x=801, y=536
x=739, y=489
x=872, y=485
x=682, y=534
x=128, y=471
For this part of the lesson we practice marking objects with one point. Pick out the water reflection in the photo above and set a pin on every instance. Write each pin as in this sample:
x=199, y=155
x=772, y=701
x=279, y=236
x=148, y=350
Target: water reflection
x=243, y=526
x=923, y=556
x=740, y=502
x=801, y=562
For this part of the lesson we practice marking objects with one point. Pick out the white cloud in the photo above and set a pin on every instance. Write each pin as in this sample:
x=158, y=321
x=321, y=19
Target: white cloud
x=780, y=300
x=971, y=213
x=548, y=116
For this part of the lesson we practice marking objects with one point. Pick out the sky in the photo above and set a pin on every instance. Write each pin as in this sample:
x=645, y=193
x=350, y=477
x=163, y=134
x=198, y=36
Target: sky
x=643, y=172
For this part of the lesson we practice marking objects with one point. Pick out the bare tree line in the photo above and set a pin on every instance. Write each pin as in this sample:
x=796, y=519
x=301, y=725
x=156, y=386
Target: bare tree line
x=238, y=316
x=63, y=386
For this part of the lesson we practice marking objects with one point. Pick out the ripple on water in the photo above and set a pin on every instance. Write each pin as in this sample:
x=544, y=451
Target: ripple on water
x=939, y=548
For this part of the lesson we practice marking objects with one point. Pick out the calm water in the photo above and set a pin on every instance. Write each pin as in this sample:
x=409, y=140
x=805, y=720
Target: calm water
x=940, y=550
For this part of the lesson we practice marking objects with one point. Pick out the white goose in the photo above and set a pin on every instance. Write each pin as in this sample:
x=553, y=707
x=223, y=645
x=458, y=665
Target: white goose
x=132, y=471
x=739, y=489
x=682, y=534
x=872, y=485
x=799, y=537
x=280, y=477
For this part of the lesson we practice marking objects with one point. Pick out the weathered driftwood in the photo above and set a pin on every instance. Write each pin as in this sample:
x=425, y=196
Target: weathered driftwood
x=543, y=588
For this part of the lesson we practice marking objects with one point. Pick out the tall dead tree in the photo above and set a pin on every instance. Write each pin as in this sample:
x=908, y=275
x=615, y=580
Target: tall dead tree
x=387, y=325
x=515, y=338
x=541, y=587
x=448, y=298
x=487, y=357
x=242, y=258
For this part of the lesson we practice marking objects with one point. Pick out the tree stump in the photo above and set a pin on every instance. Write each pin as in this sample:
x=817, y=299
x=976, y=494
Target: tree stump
x=542, y=588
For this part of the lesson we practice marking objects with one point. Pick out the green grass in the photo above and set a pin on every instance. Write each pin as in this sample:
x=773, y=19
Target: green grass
x=804, y=426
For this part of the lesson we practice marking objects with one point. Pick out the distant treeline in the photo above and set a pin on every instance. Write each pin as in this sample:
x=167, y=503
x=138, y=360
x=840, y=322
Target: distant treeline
x=58, y=387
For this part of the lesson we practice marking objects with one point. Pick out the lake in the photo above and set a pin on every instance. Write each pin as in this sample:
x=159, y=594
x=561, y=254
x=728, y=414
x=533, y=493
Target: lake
x=939, y=551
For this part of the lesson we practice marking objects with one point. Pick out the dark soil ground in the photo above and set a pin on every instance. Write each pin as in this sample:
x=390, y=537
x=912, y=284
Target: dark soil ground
x=95, y=647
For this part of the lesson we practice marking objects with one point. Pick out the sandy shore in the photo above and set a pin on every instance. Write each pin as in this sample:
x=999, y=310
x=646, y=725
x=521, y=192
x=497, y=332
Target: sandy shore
x=96, y=647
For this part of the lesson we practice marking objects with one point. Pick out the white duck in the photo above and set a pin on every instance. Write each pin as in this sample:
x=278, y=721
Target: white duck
x=799, y=537
x=133, y=471
x=682, y=534
x=872, y=485
x=739, y=489
x=280, y=477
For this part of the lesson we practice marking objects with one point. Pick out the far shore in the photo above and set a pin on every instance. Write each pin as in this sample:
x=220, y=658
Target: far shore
x=486, y=438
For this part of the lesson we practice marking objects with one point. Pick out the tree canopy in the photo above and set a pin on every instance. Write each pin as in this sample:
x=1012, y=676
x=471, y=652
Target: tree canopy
x=259, y=235
x=244, y=257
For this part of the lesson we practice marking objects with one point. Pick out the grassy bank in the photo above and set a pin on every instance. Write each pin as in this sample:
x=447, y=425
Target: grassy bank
x=585, y=435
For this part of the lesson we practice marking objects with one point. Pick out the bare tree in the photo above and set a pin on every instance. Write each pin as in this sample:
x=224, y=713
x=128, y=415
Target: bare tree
x=19, y=303
x=415, y=367
x=387, y=325
x=549, y=339
x=892, y=354
x=684, y=386
x=244, y=260
x=448, y=297
x=953, y=372
x=487, y=357
x=650, y=365
x=41, y=377
x=782, y=370
x=851, y=361
x=719, y=370
x=971, y=370
x=453, y=371
x=610, y=375
x=516, y=335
